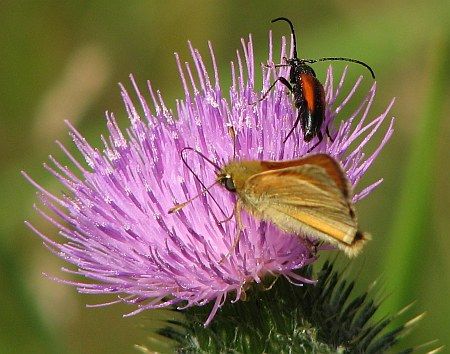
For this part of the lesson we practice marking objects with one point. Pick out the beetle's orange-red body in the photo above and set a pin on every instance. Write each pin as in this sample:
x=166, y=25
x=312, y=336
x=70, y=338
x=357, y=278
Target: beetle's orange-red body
x=309, y=99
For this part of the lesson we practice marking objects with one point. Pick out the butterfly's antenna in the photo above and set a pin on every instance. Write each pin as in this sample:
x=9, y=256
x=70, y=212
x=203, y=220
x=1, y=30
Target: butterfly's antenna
x=177, y=207
x=311, y=61
x=292, y=30
x=198, y=153
x=180, y=206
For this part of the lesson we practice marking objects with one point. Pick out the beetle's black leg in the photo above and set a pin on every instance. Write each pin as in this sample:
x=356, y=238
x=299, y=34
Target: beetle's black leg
x=299, y=116
x=320, y=137
x=280, y=65
x=280, y=79
x=292, y=129
x=272, y=65
x=328, y=133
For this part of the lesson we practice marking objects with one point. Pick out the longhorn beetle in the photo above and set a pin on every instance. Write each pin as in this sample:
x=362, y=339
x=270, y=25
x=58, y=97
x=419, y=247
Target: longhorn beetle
x=309, y=94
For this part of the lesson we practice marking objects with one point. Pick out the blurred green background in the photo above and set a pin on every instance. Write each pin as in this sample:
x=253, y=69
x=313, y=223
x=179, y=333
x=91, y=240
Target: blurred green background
x=63, y=59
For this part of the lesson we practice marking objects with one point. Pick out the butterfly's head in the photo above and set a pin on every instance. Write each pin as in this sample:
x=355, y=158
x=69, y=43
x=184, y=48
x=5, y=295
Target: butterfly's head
x=234, y=174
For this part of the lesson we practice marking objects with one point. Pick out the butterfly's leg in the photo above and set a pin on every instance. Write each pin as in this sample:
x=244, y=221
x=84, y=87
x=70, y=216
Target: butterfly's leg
x=239, y=228
x=313, y=245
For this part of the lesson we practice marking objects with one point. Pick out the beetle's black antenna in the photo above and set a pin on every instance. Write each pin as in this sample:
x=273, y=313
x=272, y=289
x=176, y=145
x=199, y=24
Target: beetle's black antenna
x=311, y=61
x=292, y=30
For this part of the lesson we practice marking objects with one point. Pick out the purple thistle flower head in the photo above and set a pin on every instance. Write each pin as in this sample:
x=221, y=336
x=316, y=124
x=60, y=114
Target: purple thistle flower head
x=114, y=217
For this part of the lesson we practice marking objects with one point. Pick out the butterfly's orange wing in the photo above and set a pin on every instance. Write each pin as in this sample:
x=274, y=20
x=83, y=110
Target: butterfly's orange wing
x=330, y=165
x=306, y=199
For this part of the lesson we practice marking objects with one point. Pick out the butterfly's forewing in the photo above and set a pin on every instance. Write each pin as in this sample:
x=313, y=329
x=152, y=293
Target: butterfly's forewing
x=309, y=198
x=330, y=165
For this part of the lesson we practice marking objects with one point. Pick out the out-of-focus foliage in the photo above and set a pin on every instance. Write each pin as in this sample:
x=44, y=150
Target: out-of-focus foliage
x=62, y=60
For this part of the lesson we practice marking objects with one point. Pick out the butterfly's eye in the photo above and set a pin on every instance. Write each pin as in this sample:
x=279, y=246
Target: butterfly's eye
x=228, y=183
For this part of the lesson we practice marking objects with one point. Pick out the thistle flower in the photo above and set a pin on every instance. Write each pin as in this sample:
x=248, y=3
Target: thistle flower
x=113, y=215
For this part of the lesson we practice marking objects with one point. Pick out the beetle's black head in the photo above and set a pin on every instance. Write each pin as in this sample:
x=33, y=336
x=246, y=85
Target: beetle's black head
x=294, y=62
x=298, y=66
